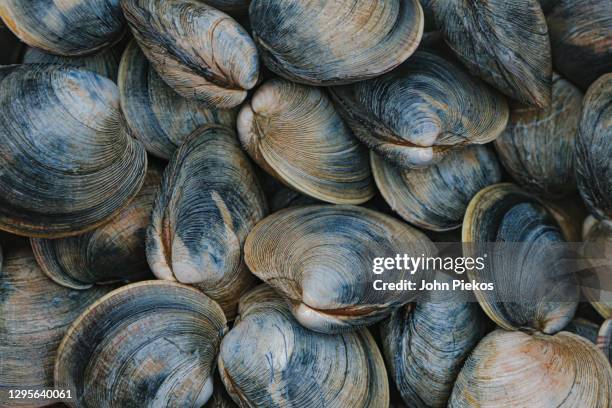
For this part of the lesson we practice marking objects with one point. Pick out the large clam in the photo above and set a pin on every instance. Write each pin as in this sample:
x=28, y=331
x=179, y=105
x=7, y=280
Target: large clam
x=269, y=360
x=148, y=344
x=415, y=114
x=294, y=132
x=67, y=161
x=201, y=52
x=209, y=201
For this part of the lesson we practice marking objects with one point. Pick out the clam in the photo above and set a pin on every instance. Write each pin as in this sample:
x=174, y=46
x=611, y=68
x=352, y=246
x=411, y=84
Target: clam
x=294, y=133
x=209, y=201
x=584, y=328
x=537, y=147
x=105, y=62
x=597, y=254
x=435, y=198
x=604, y=339
x=321, y=257
x=148, y=344
x=505, y=43
x=594, y=149
x=269, y=360
x=201, y=52
x=538, y=293
x=76, y=27
x=415, y=114
x=335, y=42
x=581, y=39
x=35, y=313
x=67, y=161
x=156, y=114
x=515, y=369
x=112, y=252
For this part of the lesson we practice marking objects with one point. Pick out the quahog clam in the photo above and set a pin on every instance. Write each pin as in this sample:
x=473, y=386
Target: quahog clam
x=74, y=27
x=67, y=161
x=148, y=344
x=269, y=360
x=335, y=42
x=201, y=52
x=294, y=133
x=435, y=198
x=321, y=258
x=209, y=200
x=415, y=114
x=503, y=42
x=515, y=369
x=156, y=114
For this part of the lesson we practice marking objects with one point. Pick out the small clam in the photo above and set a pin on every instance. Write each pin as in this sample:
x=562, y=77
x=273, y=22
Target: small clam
x=112, y=252
x=294, y=133
x=74, y=27
x=335, y=42
x=584, y=328
x=414, y=114
x=105, y=63
x=435, y=198
x=156, y=114
x=209, y=201
x=320, y=258
x=537, y=147
x=581, y=39
x=201, y=52
x=505, y=43
x=35, y=313
x=597, y=253
x=148, y=344
x=67, y=161
x=515, y=369
x=540, y=292
x=269, y=360
x=604, y=339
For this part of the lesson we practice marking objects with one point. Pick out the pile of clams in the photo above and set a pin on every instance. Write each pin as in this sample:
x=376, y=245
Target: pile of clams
x=195, y=196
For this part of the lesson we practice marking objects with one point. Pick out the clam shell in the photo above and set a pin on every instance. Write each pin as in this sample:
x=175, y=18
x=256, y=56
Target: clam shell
x=112, y=252
x=73, y=27
x=597, y=252
x=105, y=62
x=35, y=313
x=594, y=149
x=294, y=133
x=335, y=42
x=604, y=339
x=435, y=198
x=157, y=115
x=147, y=344
x=209, y=201
x=320, y=259
x=201, y=52
x=537, y=147
x=541, y=291
x=415, y=114
x=67, y=161
x=505, y=43
x=269, y=360
x=581, y=39
x=515, y=369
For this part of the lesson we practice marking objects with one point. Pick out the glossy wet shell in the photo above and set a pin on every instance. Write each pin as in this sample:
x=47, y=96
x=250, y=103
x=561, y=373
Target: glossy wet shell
x=335, y=42
x=209, y=201
x=35, y=313
x=67, y=162
x=435, y=198
x=105, y=62
x=113, y=252
x=540, y=292
x=597, y=279
x=503, y=42
x=320, y=259
x=295, y=134
x=69, y=27
x=201, y=52
x=594, y=149
x=412, y=116
x=581, y=39
x=515, y=369
x=537, y=147
x=269, y=360
x=147, y=344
